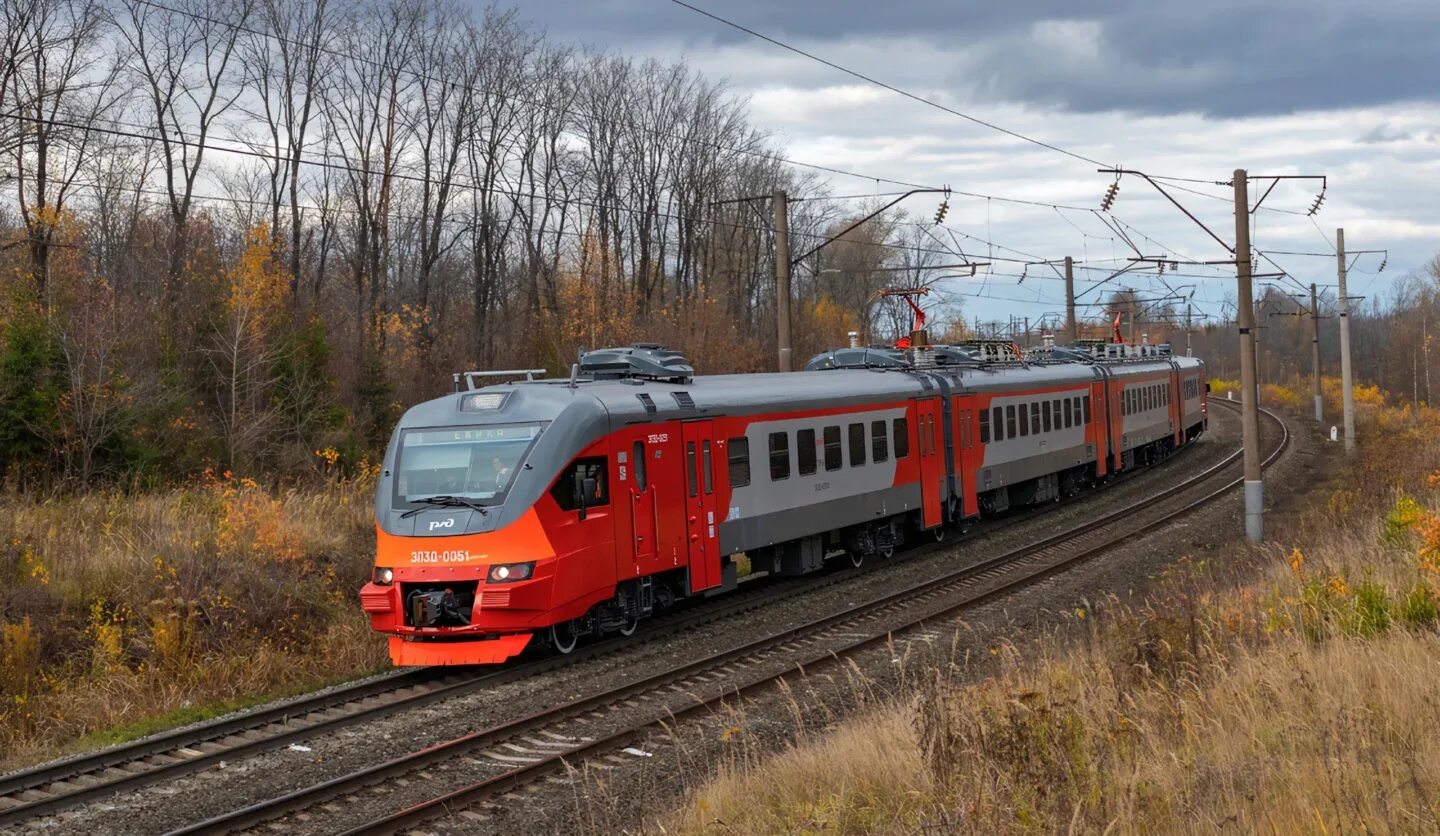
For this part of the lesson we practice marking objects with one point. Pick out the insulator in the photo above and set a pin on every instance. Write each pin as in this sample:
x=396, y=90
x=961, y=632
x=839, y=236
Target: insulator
x=940, y=213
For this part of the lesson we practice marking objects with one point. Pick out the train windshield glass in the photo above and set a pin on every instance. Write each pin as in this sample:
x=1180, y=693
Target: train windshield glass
x=475, y=463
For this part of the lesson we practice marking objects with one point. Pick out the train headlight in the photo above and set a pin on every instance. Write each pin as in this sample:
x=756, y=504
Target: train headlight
x=384, y=575
x=510, y=572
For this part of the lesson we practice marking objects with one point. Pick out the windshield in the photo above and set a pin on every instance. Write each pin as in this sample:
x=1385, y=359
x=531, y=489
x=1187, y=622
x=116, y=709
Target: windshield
x=476, y=463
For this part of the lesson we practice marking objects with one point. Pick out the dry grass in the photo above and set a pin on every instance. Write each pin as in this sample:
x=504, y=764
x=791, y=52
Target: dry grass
x=873, y=777
x=121, y=609
x=1301, y=701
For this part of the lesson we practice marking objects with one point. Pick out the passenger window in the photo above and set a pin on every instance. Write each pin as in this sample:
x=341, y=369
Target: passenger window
x=1085, y=402
x=779, y=457
x=832, y=448
x=1045, y=414
x=582, y=484
x=857, y=445
x=1035, y=418
x=879, y=442
x=637, y=465
x=805, y=451
x=1010, y=429
x=997, y=420
x=739, y=461
x=984, y=428
x=1076, y=401
x=1068, y=420
x=1024, y=420
x=690, y=480
x=902, y=438
x=706, y=469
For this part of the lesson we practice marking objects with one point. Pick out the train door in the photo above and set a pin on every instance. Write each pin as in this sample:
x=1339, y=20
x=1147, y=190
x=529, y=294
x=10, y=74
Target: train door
x=644, y=527
x=701, y=522
x=932, y=462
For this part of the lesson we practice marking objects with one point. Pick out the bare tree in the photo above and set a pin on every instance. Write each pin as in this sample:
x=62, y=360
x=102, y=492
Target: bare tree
x=181, y=60
x=286, y=61
x=63, y=94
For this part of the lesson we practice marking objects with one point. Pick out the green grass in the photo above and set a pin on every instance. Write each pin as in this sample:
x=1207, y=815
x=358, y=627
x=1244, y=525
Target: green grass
x=200, y=713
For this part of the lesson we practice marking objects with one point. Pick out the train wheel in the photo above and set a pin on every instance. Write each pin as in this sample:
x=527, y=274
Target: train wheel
x=887, y=552
x=939, y=532
x=629, y=628
x=857, y=558
x=564, y=637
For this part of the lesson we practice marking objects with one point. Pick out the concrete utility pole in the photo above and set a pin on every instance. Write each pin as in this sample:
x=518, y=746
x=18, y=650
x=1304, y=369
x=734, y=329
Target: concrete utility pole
x=779, y=205
x=1250, y=406
x=1347, y=380
x=1071, y=335
x=1315, y=354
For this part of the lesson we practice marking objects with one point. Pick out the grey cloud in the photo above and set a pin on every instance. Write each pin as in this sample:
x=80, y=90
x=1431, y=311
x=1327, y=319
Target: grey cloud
x=1224, y=58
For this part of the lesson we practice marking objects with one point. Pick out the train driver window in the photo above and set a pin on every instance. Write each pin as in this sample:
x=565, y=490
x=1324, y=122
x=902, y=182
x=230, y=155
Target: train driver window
x=637, y=453
x=832, y=448
x=857, y=445
x=739, y=454
x=582, y=485
x=805, y=451
x=984, y=429
x=879, y=442
x=779, y=457
x=902, y=438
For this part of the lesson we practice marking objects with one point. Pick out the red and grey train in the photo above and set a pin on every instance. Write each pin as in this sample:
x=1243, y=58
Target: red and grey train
x=540, y=511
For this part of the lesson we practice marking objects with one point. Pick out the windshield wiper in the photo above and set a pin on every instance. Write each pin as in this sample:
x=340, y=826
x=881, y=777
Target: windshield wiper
x=444, y=501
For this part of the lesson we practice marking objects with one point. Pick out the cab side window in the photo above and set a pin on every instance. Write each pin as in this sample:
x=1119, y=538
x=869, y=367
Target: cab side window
x=582, y=484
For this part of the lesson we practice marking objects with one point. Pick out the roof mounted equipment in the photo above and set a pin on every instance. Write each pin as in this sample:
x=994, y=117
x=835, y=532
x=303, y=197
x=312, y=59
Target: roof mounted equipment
x=642, y=361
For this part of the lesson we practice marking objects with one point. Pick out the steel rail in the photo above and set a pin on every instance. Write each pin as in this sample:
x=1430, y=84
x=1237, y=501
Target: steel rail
x=72, y=781
x=989, y=568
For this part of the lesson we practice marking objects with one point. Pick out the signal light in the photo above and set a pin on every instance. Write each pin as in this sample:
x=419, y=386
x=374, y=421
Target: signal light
x=384, y=576
x=1110, y=193
x=940, y=213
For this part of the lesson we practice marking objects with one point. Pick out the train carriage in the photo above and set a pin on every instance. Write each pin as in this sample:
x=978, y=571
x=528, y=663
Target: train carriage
x=560, y=508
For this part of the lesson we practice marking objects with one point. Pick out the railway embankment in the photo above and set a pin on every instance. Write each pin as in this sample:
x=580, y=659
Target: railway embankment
x=128, y=612
x=1282, y=687
x=333, y=757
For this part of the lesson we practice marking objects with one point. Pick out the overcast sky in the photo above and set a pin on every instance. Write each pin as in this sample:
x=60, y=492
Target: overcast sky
x=1188, y=88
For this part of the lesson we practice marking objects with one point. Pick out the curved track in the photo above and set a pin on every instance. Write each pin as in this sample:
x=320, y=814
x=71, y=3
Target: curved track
x=497, y=760
x=77, y=780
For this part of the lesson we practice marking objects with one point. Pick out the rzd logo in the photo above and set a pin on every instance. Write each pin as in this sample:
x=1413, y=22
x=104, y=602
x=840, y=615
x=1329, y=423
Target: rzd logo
x=450, y=523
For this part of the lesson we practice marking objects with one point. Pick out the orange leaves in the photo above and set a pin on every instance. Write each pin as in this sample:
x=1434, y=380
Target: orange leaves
x=253, y=523
x=259, y=289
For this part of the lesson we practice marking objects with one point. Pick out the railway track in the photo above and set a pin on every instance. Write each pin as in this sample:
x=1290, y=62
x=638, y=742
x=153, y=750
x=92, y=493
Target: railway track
x=500, y=759
x=67, y=783
x=73, y=781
